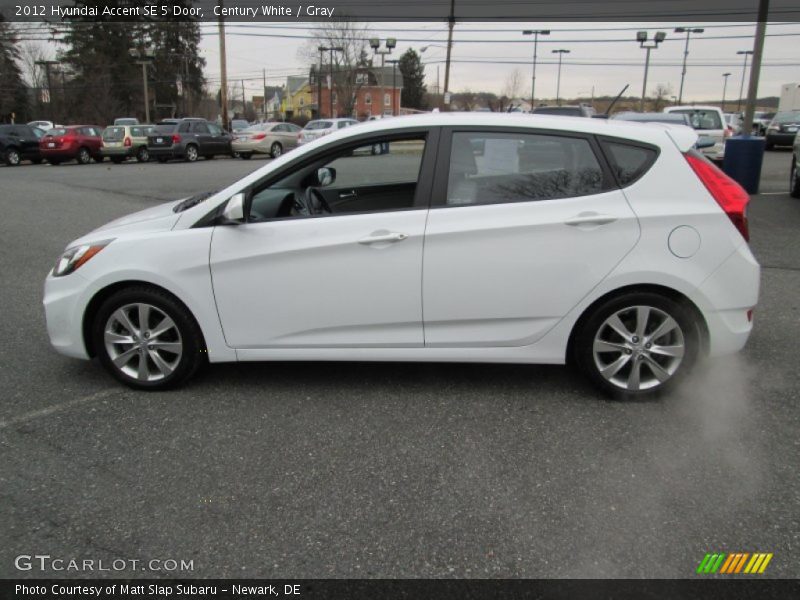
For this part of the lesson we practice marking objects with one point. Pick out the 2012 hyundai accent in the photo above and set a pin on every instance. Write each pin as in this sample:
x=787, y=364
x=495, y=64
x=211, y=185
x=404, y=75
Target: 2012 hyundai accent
x=471, y=237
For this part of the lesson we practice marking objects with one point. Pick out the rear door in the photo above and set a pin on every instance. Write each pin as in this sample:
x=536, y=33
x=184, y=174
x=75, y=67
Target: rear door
x=205, y=141
x=523, y=224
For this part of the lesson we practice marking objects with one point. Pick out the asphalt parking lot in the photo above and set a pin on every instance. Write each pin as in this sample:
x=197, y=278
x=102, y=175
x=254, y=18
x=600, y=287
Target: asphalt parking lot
x=384, y=470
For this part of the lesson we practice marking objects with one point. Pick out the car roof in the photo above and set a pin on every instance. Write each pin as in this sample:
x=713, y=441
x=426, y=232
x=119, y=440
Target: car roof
x=692, y=107
x=654, y=133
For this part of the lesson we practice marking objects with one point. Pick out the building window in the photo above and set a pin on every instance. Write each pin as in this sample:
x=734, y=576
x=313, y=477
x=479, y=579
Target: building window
x=361, y=79
x=302, y=101
x=368, y=99
x=335, y=98
x=387, y=100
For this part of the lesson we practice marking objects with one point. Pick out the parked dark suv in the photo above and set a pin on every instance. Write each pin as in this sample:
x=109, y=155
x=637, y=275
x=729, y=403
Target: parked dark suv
x=188, y=139
x=20, y=142
x=565, y=111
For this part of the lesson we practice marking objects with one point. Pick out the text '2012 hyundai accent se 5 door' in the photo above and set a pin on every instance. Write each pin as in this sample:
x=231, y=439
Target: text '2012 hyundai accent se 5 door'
x=479, y=238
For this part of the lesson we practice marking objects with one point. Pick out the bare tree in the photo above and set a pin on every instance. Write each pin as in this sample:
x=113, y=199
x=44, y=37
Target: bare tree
x=351, y=37
x=660, y=95
x=513, y=85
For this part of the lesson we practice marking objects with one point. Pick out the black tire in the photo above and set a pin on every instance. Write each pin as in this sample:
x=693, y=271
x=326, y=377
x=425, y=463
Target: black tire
x=639, y=352
x=12, y=157
x=186, y=331
x=794, y=178
x=83, y=157
x=142, y=154
x=162, y=159
x=191, y=153
x=246, y=155
x=275, y=150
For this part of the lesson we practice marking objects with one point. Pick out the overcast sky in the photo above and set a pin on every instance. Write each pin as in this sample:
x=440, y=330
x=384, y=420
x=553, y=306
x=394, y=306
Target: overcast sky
x=605, y=65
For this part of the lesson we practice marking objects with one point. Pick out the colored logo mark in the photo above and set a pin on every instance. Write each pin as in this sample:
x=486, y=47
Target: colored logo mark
x=734, y=563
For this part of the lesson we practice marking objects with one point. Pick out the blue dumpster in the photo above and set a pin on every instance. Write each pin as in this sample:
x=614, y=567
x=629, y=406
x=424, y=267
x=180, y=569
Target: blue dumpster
x=743, y=157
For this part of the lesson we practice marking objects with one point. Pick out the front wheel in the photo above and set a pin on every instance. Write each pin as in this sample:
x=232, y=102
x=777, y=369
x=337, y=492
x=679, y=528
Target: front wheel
x=84, y=157
x=794, y=178
x=147, y=339
x=12, y=157
x=275, y=150
x=637, y=345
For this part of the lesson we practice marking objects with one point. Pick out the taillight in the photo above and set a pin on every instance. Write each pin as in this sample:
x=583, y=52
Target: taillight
x=728, y=132
x=128, y=142
x=176, y=138
x=259, y=136
x=731, y=197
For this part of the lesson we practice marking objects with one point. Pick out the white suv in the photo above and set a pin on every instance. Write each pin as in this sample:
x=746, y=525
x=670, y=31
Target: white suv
x=709, y=121
x=322, y=127
x=475, y=237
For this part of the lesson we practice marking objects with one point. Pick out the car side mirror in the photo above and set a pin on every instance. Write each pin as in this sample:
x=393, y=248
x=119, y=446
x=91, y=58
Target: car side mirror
x=234, y=210
x=704, y=142
x=325, y=176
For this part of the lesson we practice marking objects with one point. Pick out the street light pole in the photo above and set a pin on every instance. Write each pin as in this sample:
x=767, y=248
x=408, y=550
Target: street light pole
x=688, y=31
x=535, y=33
x=321, y=50
x=223, y=70
x=746, y=53
x=375, y=44
x=47, y=64
x=724, y=88
x=561, y=52
x=331, y=50
x=641, y=37
x=394, y=85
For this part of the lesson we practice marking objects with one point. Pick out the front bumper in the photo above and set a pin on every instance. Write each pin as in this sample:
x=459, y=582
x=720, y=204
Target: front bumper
x=64, y=306
x=781, y=138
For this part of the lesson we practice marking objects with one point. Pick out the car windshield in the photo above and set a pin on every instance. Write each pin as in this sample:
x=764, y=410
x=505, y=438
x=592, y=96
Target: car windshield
x=319, y=125
x=787, y=117
x=113, y=134
x=702, y=119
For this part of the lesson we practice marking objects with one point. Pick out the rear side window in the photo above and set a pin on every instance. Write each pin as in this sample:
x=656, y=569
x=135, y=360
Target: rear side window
x=164, y=128
x=629, y=161
x=200, y=128
x=496, y=168
x=184, y=127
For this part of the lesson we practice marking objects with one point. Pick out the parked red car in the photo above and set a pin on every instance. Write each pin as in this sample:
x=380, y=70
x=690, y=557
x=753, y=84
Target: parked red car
x=74, y=142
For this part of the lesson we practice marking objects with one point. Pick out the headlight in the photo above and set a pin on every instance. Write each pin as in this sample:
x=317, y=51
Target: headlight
x=74, y=257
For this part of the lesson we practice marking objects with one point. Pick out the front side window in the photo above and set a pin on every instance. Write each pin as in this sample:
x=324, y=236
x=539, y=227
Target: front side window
x=213, y=128
x=495, y=168
x=200, y=128
x=378, y=176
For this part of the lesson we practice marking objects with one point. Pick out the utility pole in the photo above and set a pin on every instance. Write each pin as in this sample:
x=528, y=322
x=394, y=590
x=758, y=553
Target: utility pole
x=746, y=53
x=451, y=22
x=724, y=88
x=641, y=37
x=244, y=102
x=755, y=69
x=264, y=106
x=223, y=93
x=331, y=50
x=561, y=52
x=321, y=50
x=47, y=64
x=535, y=33
x=688, y=31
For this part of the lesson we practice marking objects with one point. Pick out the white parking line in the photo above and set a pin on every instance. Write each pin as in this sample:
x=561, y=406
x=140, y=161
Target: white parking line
x=773, y=193
x=57, y=407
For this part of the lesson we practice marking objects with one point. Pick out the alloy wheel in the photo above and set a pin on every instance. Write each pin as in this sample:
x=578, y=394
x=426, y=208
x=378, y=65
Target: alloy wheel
x=142, y=155
x=143, y=342
x=638, y=348
x=83, y=156
x=12, y=157
x=276, y=150
x=191, y=153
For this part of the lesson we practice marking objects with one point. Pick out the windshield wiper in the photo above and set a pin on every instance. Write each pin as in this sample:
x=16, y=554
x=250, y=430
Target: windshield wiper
x=193, y=201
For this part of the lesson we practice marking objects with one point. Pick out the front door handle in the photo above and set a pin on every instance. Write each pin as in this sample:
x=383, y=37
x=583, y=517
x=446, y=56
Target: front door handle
x=350, y=194
x=383, y=237
x=590, y=218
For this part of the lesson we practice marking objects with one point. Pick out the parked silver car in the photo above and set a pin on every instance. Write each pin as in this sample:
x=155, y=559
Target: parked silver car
x=266, y=138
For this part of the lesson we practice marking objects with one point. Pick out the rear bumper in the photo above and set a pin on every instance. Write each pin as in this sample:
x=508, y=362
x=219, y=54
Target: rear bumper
x=781, y=139
x=123, y=151
x=59, y=154
x=730, y=292
x=168, y=152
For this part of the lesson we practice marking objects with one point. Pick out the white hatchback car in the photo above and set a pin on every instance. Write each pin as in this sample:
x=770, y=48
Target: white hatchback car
x=474, y=238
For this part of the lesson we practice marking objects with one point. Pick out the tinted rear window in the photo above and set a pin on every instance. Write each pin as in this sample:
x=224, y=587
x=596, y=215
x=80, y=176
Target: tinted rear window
x=629, y=161
x=113, y=134
x=164, y=128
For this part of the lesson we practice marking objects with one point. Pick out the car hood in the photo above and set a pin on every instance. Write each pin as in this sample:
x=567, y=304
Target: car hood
x=154, y=219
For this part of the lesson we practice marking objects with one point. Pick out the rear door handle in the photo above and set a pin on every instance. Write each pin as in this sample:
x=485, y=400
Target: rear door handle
x=350, y=194
x=590, y=218
x=377, y=238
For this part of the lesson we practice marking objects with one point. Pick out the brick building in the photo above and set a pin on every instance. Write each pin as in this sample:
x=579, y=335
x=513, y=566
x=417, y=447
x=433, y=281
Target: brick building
x=365, y=85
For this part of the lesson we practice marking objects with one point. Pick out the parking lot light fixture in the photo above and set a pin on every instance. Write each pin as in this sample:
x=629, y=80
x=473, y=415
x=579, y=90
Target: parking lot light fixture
x=535, y=33
x=642, y=38
x=746, y=53
x=561, y=52
x=724, y=88
x=688, y=31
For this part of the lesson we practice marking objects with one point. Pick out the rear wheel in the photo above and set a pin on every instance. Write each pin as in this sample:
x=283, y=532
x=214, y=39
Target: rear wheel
x=794, y=178
x=275, y=150
x=142, y=155
x=637, y=344
x=12, y=157
x=84, y=157
x=191, y=153
x=147, y=339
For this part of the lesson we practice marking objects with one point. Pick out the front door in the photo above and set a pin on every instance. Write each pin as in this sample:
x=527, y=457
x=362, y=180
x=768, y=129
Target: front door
x=305, y=272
